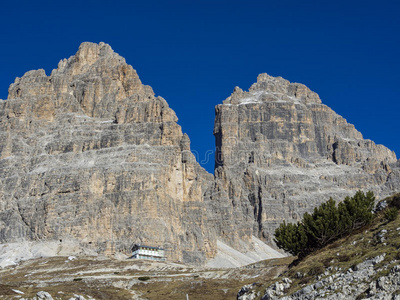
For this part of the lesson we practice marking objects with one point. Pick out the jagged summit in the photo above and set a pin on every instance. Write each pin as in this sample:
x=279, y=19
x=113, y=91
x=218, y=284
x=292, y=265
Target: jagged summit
x=95, y=81
x=88, y=154
x=273, y=89
x=280, y=152
x=88, y=54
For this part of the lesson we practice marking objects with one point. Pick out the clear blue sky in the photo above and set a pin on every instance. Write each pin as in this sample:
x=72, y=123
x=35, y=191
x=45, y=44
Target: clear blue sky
x=193, y=53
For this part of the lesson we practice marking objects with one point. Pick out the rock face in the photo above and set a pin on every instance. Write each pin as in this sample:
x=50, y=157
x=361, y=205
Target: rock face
x=280, y=152
x=89, y=153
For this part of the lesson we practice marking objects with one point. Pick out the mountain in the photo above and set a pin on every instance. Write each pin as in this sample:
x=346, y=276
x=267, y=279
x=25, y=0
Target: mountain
x=91, y=159
x=280, y=152
x=89, y=154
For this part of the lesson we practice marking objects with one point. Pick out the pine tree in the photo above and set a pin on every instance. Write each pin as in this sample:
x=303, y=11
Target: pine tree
x=291, y=238
x=326, y=224
x=359, y=208
x=323, y=226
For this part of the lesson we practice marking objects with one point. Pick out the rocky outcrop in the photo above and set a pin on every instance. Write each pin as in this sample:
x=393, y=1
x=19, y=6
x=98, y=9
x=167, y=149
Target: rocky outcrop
x=360, y=283
x=280, y=152
x=89, y=153
x=363, y=265
x=46, y=296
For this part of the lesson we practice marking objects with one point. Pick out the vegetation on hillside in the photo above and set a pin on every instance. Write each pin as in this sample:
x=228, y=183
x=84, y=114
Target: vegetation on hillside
x=326, y=224
x=379, y=238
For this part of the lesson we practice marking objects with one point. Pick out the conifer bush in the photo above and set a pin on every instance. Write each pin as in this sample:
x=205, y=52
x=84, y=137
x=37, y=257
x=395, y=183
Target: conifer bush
x=291, y=237
x=391, y=214
x=326, y=224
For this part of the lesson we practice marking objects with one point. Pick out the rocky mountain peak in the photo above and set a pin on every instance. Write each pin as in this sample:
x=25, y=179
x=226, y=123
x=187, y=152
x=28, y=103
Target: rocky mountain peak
x=280, y=152
x=88, y=52
x=95, y=81
x=273, y=89
x=89, y=154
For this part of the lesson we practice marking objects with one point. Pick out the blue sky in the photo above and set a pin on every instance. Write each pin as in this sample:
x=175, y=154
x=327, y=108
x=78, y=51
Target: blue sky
x=193, y=53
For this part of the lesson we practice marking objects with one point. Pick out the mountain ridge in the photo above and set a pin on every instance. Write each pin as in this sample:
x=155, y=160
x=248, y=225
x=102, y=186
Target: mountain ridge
x=89, y=153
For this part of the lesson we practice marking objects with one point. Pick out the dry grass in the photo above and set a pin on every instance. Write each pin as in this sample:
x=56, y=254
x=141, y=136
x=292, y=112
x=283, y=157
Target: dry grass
x=350, y=251
x=114, y=279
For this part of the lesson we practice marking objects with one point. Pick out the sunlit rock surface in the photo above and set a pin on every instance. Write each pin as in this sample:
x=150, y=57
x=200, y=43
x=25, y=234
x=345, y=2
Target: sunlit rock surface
x=91, y=156
x=280, y=152
x=90, y=153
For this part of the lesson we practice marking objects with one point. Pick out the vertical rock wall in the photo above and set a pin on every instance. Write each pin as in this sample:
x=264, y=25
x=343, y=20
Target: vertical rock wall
x=280, y=152
x=89, y=153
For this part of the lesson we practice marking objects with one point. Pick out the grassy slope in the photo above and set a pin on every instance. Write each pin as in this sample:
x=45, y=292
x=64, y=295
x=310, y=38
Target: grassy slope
x=347, y=252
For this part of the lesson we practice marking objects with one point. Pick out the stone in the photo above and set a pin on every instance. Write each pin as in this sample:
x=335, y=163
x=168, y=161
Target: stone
x=44, y=295
x=319, y=284
x=90, y=154
x=77, y=297
x=361, y=282
x=247, y=293
x=280, y=152
x=381, y=283
x=306, y=290
x=376, y=260
x=278, y=287
x=287, y=280
x=381, y=206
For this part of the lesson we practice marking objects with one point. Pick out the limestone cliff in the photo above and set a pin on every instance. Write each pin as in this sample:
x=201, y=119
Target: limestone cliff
x=280, y=152
x=89, y=153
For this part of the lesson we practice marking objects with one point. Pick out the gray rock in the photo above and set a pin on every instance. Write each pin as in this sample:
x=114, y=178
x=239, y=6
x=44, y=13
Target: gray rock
x=396, y=297
x=287, y=280
x=381, y=206
x=278, y=287
x=90, y=154
x=395, y=269
x=318, y=284
x=347, y=285
x=44, y=295
x=77, y=297
x=247, y=293
x=307, y=290
x=381, y=283
x=378, y=259
x=280, y=152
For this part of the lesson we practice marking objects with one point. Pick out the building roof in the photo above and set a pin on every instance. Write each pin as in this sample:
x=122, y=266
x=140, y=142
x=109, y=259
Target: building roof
x=145, y=246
